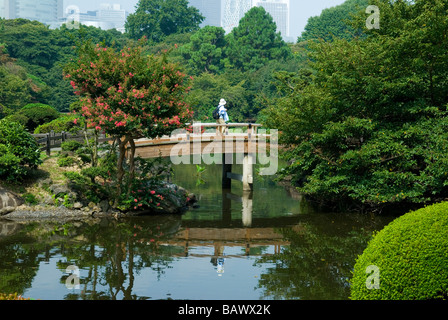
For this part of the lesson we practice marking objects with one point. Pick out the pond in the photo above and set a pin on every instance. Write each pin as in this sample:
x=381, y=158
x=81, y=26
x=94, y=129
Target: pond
x=268, y=244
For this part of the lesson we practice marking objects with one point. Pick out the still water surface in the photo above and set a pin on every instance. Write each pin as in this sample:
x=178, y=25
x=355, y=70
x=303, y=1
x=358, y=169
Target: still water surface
x=266, y=245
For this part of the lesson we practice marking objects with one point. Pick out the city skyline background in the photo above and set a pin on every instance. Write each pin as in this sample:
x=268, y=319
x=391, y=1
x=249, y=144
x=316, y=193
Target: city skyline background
x=300, y=10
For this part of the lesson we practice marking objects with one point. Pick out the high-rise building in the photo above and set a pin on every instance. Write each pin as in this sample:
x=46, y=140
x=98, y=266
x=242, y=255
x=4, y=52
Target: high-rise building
x=4, y=9
x=210, y=9
x=279, y=10
x=232, y=12
x=109, y=16
x=45, y=11
x=113, y=15
x=228, y=13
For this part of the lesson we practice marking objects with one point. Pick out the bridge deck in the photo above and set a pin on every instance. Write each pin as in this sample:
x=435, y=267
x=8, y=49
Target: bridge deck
x=207, y=143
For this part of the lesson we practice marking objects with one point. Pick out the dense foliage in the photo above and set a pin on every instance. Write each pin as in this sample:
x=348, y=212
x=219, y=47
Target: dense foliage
x=16, y=87
x=18, y=151
x=368, y=124
x=12, y=296
x=411, y=257
x=334, y=22
x=239, y=66
x=32, y=57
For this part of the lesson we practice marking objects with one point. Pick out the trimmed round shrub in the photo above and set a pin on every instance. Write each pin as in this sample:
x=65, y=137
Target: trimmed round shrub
x=38, y=114
x=411, y=257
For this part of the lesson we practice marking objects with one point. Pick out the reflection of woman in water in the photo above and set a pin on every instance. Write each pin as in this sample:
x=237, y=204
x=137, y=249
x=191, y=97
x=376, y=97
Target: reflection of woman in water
x=220, y=266
x=217, y=260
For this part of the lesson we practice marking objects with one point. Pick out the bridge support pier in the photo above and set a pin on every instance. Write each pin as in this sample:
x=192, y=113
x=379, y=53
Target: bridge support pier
x=246, y=178
x=227, y=160
x=248, y=171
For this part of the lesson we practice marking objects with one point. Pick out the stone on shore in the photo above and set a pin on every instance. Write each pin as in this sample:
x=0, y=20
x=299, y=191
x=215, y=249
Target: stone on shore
x=9, y=201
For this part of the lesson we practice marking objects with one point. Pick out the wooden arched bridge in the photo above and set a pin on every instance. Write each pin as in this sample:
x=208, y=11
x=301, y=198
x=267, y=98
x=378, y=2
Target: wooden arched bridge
x=240, y=143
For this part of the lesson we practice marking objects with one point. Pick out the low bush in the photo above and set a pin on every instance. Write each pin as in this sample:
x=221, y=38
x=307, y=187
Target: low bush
x=64, y=123
x=66, y=161
x=71, y=145
x=30, y=198
x=411, y=255
x=19, y=151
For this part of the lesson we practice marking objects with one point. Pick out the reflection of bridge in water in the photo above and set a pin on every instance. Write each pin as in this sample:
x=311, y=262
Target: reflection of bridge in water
x=218, y=238
x=248, y=233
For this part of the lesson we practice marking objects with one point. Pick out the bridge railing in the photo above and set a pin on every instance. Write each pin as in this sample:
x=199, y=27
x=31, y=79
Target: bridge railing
x=48, y=141
x=251, y=127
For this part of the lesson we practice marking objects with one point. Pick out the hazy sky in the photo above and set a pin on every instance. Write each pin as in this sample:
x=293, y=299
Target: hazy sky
x=301, y=10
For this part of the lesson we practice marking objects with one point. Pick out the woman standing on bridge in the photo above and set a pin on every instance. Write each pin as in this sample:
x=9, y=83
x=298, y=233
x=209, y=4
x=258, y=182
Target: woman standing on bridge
x=223, y=116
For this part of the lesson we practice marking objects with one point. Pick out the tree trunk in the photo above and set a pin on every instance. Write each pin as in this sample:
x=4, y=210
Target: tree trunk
x=95, y=149
x=131, y=164
x=120, y=171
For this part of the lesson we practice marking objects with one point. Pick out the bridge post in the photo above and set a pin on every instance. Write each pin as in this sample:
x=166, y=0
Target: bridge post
x=248, y=168
x=247, y=208
x=226, y=168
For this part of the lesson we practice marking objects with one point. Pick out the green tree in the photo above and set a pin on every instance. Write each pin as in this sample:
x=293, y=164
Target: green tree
x=205, y=51
x=369, y=125
x=334, y=22
x=157, y=19
x=255, y=41
x=129, y=95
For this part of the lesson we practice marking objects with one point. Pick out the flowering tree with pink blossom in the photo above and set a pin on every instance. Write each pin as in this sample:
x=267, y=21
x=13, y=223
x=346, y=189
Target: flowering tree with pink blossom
x=128, y=95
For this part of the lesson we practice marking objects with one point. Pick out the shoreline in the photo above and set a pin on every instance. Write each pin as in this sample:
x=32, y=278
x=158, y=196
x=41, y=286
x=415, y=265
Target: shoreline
x=45, y=212
x=40, y=212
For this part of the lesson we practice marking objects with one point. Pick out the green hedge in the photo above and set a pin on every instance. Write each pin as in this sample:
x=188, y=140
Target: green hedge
x=411, y=254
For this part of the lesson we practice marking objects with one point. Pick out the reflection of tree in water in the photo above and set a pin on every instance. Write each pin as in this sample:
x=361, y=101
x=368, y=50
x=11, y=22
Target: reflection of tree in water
x=110, y=252
x=18, y=266
x=317, y=264
x=122, y=250
x=22, y=251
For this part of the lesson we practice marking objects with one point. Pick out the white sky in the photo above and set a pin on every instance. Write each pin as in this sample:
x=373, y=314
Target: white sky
x=301, y=10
